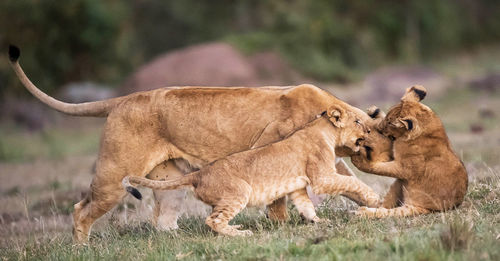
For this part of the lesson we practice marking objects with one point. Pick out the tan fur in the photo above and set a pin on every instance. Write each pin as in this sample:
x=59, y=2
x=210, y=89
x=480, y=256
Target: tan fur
x=430, y=176
x=262, y=175
x=193, y=125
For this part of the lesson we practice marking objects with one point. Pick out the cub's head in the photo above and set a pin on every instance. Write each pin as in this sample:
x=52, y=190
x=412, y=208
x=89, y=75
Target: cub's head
x=410, y=118
x=352, y=129
x=376, y=147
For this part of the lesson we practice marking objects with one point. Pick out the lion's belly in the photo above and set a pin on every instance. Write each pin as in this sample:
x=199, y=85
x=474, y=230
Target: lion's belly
x=270, y=190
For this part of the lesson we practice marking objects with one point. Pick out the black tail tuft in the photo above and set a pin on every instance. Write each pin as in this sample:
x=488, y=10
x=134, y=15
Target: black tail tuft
x=14, y=53
x=134, y=192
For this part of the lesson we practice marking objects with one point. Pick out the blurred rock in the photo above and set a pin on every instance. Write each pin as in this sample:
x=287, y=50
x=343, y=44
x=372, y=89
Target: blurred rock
x=84, y=92
x=273, y=70
x=389, y=84
x=211, y=64
x=489, y=83
x=476, y=128
x=486, y=113
x=31, y=114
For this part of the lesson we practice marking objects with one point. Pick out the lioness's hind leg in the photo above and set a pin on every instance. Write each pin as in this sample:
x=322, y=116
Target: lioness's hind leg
x=103, y=197
x=403, y=211
x=122, y=153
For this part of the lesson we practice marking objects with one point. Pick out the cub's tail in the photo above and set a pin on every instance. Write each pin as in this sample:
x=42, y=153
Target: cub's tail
x=127, y=182
x=95, y=109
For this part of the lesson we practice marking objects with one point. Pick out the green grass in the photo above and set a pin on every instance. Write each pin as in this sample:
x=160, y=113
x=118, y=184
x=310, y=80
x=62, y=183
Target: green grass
x=467, y=233
x=18, y=145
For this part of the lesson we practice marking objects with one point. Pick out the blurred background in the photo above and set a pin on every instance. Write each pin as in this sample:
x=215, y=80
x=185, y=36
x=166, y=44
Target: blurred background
x=365, y=52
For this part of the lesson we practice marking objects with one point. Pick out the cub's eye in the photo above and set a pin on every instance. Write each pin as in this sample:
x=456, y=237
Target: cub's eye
x=357, y=122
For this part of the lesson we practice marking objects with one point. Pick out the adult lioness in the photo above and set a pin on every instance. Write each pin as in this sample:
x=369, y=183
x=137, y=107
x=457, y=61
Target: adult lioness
x=192, y=125
x=262, y=175
x=430, y=176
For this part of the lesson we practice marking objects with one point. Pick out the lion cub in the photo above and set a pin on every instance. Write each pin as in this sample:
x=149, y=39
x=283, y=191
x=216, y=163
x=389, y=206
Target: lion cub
x=430, y=176
x=262, y=175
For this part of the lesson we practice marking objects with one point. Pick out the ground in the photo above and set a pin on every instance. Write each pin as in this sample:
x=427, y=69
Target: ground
x=42, y=174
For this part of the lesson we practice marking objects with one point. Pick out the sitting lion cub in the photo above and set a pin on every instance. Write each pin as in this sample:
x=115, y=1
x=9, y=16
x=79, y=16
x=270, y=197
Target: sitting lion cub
x=430, y=176
x=262, y=175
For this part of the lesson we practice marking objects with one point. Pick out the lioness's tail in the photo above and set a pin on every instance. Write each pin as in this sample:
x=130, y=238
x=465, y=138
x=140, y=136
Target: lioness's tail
x=96, y=109
x=186, y=180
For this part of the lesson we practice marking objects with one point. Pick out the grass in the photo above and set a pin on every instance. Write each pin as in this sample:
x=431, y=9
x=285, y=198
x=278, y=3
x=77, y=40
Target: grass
x=18, y=145
x=467, y=233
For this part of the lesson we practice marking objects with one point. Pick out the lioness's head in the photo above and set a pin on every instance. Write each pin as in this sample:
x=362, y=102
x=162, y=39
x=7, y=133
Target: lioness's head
x=352, y=130
x=405, y=119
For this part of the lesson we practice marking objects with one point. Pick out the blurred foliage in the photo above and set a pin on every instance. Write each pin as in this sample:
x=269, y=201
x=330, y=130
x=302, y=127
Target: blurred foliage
x=62, y=41
x=325, y=39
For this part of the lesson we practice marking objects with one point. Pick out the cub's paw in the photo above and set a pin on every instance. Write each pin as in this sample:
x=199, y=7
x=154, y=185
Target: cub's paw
x=362, y=163
x=245, y=233
x=234, y=232
x=371, y=212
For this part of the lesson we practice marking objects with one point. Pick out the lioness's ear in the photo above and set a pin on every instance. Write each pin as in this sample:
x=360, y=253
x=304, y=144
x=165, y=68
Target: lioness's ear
x=374, y=112
x=336, y=115
x=409, y=122
x=415, y=93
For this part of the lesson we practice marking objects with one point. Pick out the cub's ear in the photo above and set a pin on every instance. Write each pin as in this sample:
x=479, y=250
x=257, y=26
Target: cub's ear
x=374, y=112
x=337, y=116
x=410, y=123
x=415, y=93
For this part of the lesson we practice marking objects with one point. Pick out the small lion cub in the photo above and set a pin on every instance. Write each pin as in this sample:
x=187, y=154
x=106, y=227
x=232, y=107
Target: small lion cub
x=430, y=176
x=260, y=176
